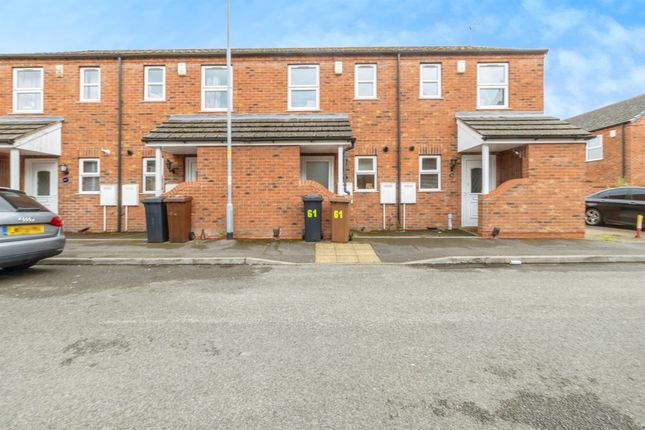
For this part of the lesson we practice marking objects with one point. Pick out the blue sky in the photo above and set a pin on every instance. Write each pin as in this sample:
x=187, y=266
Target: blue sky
x=597, y=47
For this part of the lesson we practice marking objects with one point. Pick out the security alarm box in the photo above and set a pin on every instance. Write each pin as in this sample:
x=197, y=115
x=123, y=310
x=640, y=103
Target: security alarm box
x=107, y=194
x=388, y=193
x=408, y=193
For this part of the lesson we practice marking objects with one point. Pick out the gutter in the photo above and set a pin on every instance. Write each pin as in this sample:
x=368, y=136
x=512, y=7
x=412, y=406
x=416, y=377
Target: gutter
x=119, y=144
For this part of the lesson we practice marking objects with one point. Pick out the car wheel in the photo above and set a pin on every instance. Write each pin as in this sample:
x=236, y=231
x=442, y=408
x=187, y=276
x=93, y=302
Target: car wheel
x=593, y=217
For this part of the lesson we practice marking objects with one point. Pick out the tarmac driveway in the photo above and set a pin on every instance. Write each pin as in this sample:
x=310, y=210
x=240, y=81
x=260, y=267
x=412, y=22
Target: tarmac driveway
x=317, y=347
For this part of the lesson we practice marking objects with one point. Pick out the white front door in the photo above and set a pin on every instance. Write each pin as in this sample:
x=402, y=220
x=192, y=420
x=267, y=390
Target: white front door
x=190, y=168
x=319, y=169
x=471, y=187
x=41, y=182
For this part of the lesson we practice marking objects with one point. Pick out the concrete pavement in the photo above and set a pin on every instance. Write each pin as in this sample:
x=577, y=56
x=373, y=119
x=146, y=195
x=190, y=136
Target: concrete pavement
x=361, y=347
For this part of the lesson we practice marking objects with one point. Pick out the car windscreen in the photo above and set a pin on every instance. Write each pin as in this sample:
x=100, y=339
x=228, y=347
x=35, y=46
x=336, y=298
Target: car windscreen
x=11, y=201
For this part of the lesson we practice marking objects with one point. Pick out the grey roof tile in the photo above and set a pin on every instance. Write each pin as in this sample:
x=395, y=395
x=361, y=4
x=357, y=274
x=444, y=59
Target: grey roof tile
x=522, y=126
x=11, y=130
x=614, y=114
x=252, y=128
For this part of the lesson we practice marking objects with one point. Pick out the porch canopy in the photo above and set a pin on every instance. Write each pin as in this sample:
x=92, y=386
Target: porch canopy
x=486, y=132
x=313, y=133
x=28, y=136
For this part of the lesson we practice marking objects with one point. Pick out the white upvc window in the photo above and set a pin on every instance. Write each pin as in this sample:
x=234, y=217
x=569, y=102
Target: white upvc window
x=365, y=81
x=429, y=173
x=492, y=85
x=149, y=175
x=304, y=87
x=90, y=84
x=89, y=172
x=214, y=88
x=28, y=90
x=365, y=173
x=155, y=83
x=430, y=81
x=594, y=149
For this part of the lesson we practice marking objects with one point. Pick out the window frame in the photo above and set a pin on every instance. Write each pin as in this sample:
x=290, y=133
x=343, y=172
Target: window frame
x=373, y=81
x=422, y=81
x=503, y=86
x=145, y=174
x=600, y=145
x=146, y=84
x=40, y=90
x=216, y=88
x=82, y=174
x=292, y=87
x=84, y=84
x=358, y=172
x=436, y=171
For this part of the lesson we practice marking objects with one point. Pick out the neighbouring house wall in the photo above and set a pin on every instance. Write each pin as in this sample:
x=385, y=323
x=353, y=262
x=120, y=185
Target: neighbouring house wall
x=547, y=202
x=260, y=87
x=607, y=172
x=635, y=137
x=267, y=193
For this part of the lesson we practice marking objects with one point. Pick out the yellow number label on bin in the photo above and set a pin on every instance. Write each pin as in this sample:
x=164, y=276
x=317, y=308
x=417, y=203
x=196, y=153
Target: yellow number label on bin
x=312, y=213
x=338, y=214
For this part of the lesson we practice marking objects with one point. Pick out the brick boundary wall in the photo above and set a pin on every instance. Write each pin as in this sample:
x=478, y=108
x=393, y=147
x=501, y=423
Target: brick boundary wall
x=547, y=203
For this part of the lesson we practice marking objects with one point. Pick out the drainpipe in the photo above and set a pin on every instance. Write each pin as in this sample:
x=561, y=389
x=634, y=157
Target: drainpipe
x=119, y=143
x=623, y=153
x=398, y=139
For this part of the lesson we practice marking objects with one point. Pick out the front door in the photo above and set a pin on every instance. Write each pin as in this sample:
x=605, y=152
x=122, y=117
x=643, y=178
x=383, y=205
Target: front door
x=471, y=187
x=319, y=169
x=41, y=180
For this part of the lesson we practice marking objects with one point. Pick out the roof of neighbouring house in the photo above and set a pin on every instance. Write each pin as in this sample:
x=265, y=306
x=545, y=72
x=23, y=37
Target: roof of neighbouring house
x=614, y=114
x=14, y=129
x=252, y=128
x=524, y=126
x=376, y=50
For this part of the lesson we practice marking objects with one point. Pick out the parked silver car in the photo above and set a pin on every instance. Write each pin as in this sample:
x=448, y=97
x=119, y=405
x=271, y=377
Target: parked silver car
x=29, y=232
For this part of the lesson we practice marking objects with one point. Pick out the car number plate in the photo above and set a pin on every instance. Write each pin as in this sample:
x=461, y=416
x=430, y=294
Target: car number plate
x=15, y=230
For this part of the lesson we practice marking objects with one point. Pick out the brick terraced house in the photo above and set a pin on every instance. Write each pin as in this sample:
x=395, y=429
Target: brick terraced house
x=456, y=134
x=616, y=155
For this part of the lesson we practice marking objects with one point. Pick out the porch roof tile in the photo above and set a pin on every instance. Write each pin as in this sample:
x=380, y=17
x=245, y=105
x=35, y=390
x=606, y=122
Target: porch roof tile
x=252, y=128
x=11, y=130
x=522, y=126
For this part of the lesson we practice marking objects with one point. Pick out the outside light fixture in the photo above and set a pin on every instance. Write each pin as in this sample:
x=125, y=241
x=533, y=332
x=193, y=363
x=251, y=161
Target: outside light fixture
x=453, y=163
x=64, y=169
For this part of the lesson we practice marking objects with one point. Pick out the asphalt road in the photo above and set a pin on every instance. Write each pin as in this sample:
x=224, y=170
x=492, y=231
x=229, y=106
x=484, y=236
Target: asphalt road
x=361, y=347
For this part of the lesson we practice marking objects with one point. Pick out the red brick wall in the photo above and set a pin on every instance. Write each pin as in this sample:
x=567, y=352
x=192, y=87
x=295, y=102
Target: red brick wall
x=428, y=126
x=547, y=202
x=267, y=192
x=607, y=172
x=635, y=147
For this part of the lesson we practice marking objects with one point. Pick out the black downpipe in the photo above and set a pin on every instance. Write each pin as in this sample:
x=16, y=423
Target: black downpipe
x=623, y=153
x=119, y=144
x=398, y=139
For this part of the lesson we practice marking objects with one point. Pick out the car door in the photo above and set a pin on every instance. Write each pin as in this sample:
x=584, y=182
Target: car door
x=636, y=205
x=612, y=204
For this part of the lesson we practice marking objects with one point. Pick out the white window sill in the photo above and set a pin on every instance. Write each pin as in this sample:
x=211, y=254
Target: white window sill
x=365, y=191
x=216, y=110
x=89, y=193
x=430, y=98
x=596, y=159
x=365, y=98
x=303, y=110
x=30, y=112
x=493, y=108
x=153, y=101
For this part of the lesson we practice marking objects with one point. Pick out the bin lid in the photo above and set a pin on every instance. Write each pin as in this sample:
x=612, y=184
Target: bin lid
x=341, y=199
x=178, y=199
x=312, y=198
x=153, y=200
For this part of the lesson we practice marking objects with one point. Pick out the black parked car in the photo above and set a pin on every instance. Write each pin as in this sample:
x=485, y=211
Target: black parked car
x=615, y=206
